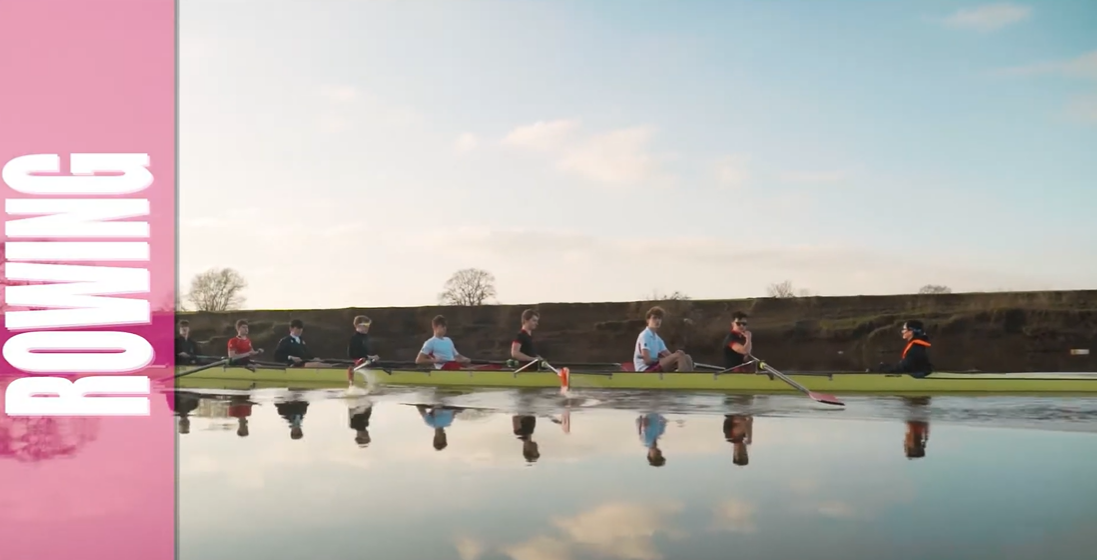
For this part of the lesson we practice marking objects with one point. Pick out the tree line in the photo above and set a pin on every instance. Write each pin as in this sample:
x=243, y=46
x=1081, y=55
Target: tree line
x=222, y=289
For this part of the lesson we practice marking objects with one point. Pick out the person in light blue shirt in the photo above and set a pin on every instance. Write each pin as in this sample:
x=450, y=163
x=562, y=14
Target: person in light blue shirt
x=651, y=353
x=439, y=418
x=439, y=350
x=651, y=427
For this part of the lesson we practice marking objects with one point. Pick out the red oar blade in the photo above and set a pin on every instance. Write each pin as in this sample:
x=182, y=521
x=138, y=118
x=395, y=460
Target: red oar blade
x=825, y=398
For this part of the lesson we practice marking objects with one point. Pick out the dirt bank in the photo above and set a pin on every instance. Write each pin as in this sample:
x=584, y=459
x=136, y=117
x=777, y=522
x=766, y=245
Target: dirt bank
x=1029, y=331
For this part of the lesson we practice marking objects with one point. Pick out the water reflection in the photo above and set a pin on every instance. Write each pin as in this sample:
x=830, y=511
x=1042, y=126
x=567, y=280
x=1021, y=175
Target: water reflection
x=917, y=436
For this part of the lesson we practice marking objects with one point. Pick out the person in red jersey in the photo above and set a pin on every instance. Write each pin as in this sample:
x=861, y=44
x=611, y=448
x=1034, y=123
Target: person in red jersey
x=239, y=347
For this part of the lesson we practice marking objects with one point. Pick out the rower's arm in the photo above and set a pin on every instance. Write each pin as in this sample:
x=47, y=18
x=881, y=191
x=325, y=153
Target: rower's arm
x=281, y=352
x=517, y=354
x=423, y=359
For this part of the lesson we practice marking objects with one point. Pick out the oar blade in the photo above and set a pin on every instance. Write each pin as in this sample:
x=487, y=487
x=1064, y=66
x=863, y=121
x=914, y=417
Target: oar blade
x=825, y=398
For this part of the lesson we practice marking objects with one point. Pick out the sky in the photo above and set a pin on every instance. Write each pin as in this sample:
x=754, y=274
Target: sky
x=347, y=153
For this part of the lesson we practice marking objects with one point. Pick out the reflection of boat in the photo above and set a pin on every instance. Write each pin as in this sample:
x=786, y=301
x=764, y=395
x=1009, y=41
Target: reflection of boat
x=743, y=382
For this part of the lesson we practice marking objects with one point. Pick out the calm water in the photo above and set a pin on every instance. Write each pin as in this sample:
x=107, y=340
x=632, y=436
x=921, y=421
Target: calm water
x=527, y=476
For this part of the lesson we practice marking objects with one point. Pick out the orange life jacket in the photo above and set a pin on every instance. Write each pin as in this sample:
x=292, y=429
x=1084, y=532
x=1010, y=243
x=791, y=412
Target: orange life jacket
x=912, y=343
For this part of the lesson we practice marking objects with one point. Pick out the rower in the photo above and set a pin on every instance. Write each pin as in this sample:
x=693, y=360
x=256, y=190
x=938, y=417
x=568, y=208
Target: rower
x=439, y=418
x=239, y=347
x=439, y=350
x=521, y=348
x=359, y=347
x=186, y=351
x=651, y=353
x=292, y=350
x=524, y=425
x=739, y=432
x=915, y=358
x=737, y=343
x=651, y=427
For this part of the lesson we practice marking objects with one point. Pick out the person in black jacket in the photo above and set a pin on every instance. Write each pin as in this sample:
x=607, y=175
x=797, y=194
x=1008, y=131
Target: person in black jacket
x=292, y=350
x=360, y=347
x=186, y=351
x=915, y=358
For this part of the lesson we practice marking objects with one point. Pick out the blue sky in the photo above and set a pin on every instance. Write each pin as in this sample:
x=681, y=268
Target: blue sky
x=586, y=151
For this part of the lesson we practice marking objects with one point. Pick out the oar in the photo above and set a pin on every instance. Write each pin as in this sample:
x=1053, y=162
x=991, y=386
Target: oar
x=820, y=397
x=201, y=368
x=720, y=369
x=563, y=373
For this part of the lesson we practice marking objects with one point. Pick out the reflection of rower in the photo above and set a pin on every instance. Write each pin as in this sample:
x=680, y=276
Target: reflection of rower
x=439, y=418
x=182, y=403
x=523, y=429
x=359, y=415
x=739, y=431
x=917, y=436
x=240, y=409
x=651, y=427
x=293, y=411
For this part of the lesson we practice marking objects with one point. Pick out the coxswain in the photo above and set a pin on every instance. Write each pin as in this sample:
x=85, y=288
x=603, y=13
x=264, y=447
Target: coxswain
x=915, y=358
x=186, y=351
x=239, y=347
x=521, y=348
x=292, y=350
x=359, y=348
x=651, y=353
x=737, y=344
x=438, y=350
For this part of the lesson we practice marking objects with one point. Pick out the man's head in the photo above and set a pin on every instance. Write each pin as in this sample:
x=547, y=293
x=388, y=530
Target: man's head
x=738, y=321
x=184, y=328
x=530, y=319
x=362, y=323
x=361, y=437
x=655, y=317
x=655, y=457
x=440, y=441
x=438, y=324
x=242, y=327
x=296, y=327
x=912, y=329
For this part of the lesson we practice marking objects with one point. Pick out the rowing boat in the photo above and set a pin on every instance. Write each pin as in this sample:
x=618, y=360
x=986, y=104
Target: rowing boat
x=877, y=383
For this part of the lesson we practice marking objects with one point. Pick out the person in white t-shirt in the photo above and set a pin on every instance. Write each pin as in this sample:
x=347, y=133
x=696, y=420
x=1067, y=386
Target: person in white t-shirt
x=439, y=350
x=651, y=353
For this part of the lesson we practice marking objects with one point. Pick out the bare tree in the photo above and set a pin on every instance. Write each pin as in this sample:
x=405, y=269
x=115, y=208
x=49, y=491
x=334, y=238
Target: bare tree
x=469, y=286
x=658, y=296
x=217, y=289
x=782, y=290
x=934, y=289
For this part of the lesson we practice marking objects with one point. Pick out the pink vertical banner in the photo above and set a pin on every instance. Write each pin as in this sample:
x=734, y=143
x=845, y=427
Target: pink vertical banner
x=87, y=151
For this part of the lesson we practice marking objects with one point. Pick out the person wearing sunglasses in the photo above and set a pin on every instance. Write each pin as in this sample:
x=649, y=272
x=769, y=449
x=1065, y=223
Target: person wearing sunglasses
x=915, y=358
x=737, y=344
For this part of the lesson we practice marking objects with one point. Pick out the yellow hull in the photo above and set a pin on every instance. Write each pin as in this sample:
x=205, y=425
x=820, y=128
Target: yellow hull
x=838, y=383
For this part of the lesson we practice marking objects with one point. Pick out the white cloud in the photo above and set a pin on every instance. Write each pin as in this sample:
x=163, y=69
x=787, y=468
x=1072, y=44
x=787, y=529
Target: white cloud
x=622, y=530
x=735, y=516
x=340, y=94
x=1083, y=109
x=469, y=548
x=620, y=156
x=733, y=170
x=539, y=548
x=812, y=177
x=467, y=142
x=1084, y=66
x=989, y=17
x=612, y=530
x=616, y=157
x=542, y=135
